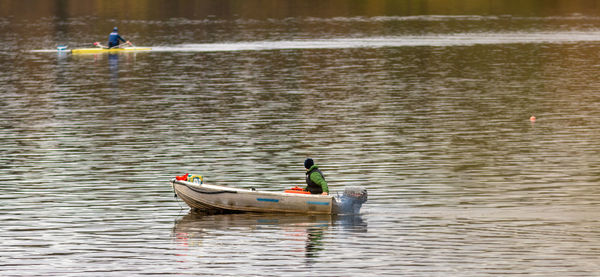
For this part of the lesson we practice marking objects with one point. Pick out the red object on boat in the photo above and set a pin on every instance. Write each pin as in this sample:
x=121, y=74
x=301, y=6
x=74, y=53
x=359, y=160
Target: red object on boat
x=182, y=177
x=297, y=189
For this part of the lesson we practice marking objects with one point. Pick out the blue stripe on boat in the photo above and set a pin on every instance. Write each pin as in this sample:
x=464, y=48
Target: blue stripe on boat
x=317, y=203
x=267, y=199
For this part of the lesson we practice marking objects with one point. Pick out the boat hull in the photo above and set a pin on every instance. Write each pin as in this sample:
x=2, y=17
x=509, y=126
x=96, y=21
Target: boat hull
x=225, y=199
x=113, y=50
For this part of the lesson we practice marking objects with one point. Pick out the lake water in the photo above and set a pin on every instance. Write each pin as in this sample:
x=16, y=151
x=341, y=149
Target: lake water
x=428, y=106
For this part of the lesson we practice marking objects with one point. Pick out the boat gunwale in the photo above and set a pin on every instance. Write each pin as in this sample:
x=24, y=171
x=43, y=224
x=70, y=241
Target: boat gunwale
x=241, y=190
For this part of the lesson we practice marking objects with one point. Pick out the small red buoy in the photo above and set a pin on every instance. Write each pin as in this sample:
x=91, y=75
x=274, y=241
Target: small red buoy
x=532, y=119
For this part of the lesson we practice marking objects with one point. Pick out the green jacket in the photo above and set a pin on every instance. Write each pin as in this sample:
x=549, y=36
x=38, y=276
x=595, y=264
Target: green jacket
x=314, y=179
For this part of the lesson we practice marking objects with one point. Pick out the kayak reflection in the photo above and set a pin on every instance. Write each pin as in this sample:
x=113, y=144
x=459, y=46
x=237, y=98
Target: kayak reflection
x=113, y=65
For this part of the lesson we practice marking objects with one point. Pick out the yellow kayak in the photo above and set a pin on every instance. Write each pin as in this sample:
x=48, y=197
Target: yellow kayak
x=106, y=50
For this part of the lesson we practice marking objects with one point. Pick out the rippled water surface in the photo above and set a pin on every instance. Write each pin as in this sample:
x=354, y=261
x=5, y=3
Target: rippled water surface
x=429, y=110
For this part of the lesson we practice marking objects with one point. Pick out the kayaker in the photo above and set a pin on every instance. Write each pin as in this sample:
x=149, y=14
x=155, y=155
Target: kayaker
x=114, y=38
x=315, y=180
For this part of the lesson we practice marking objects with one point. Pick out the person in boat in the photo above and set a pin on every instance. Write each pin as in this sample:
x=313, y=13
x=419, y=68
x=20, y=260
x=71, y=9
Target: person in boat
x=315, y=180
x=114, y=39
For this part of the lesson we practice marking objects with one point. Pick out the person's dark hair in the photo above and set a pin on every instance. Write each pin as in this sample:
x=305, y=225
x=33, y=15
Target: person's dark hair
x=308, y=163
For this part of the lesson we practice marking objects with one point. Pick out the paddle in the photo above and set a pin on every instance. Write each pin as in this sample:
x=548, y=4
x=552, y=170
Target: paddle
x=98, y=44
x=126, y=43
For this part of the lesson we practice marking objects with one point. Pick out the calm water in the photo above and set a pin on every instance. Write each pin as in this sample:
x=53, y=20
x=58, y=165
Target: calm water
x=428, y=107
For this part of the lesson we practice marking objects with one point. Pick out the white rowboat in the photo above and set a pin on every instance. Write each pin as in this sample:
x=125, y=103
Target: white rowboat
x=214, y=198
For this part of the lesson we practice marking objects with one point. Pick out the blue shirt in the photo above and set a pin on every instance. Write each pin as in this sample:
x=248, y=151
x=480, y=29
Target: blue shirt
x=113, y=39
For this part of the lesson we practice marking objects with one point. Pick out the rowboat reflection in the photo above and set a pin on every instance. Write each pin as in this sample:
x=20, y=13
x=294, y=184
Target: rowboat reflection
x=198, y=229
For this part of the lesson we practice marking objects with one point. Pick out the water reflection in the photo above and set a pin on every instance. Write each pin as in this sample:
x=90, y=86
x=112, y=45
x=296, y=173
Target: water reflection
x=311, y=230
x=314, y=242
x=113, y=65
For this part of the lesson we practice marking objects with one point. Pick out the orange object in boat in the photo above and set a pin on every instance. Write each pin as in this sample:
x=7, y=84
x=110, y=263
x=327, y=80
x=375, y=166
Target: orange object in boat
x=182, y=177
x=297, y=189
